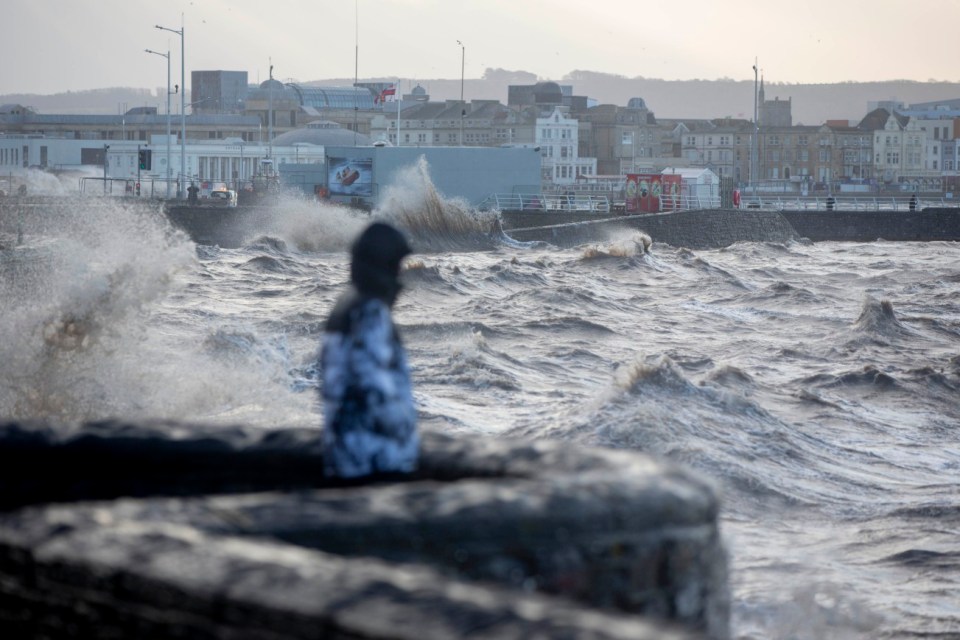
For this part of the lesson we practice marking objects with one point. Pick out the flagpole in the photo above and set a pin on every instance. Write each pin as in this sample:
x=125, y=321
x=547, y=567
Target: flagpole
x=397, y=98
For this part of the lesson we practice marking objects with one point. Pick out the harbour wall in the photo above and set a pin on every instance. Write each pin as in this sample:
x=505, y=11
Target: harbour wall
x=706, y=228
x=716, y=228
x=700, y=229
x=930, y=224
x=119, y=529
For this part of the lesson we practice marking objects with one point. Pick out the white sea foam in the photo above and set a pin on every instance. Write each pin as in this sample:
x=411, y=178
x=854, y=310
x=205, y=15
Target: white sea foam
x=79, y=337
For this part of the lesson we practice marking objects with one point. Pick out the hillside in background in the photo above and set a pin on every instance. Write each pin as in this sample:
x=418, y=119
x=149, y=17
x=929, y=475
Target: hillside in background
x=113, y=100
x=812, y=103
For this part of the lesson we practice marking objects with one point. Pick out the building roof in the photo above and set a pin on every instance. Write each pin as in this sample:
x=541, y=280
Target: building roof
x=689, y=173
x=334, y=97
x=877, y=119
x=322, y=133
x=451, y=110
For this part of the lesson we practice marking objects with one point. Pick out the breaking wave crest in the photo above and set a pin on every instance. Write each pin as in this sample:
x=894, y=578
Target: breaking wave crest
x=436, y=223
x=80, y=340
x=635, y=244
x=878, y=318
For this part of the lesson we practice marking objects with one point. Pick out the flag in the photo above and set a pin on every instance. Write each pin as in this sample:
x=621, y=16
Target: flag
x=388, y=94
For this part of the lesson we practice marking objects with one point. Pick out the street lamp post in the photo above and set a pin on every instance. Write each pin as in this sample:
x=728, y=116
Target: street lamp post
x=756, y=130
x=106, y=147
x=183, y=109
x=463, y=109
x=167, y=56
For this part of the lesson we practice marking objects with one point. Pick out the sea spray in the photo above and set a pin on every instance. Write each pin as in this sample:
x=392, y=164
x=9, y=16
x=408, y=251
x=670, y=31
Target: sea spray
x=80, y=343
x=626, y=245
x=434, y=222
x=308, y=225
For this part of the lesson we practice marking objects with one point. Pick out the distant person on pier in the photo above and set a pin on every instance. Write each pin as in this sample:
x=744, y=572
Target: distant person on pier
x=192, y=192
x=370, y=422
x=913, y=202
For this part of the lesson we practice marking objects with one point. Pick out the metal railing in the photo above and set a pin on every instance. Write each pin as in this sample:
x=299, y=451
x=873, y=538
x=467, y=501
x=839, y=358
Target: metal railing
x=155, y=188
x=581, y=202
x=843, y=203
x=546, y=202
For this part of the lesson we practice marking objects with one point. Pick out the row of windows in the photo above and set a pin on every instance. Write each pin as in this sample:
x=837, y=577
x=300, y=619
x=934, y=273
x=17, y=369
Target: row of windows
x=562, y=134
x=547, y=151
x=769, y=140
x=564, y=171
x=10, y=156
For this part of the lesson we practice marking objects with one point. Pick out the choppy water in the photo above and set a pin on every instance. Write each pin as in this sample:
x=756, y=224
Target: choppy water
x=818, y=384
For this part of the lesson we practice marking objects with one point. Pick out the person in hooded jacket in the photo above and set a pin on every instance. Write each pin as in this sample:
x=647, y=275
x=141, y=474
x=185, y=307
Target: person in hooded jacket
x=370, y=421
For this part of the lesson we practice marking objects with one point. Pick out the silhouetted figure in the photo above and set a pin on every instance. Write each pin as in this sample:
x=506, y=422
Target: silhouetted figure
x=831, y=203
x=192, y=192
x=913, y=202
x=370, y=422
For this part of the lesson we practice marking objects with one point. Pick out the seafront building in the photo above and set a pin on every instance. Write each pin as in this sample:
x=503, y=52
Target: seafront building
x=236, y=130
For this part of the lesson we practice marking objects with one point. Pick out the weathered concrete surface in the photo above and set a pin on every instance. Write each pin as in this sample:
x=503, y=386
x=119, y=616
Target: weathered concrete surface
x=868, y=226
x=611, y=530
x=700, y=229
x=716, y=228
x=69, y=577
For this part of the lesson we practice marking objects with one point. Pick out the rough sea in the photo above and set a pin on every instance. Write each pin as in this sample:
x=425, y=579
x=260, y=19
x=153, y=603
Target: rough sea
x=817, y=384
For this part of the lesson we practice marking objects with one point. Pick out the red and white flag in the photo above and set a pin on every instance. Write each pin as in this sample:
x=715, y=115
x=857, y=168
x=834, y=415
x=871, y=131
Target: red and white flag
x=388, y=94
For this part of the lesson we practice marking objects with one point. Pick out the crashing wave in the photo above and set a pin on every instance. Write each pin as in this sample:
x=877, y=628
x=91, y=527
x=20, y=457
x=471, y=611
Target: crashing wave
x=436, y=223
x=635, y=244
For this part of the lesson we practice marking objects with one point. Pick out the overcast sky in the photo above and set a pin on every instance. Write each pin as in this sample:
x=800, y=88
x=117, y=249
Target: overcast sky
x=49, y=46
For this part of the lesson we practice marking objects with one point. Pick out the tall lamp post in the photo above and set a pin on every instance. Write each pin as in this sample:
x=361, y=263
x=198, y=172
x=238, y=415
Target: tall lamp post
x=463, y=108
x=183, y=109
x=106, y=148
x=167, y=56
x=756, y=130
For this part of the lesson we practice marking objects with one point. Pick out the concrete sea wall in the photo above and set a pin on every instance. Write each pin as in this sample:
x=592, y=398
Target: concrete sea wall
x=699, y=229
x=695, y=229
x=867, y=226
x=715, y=228
x=155, y=530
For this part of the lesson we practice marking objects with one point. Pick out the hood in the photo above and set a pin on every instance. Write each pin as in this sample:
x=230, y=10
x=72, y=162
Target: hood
x=375, y=261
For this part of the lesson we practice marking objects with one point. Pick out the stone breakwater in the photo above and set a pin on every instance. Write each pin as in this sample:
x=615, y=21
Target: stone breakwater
x=156, y=530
